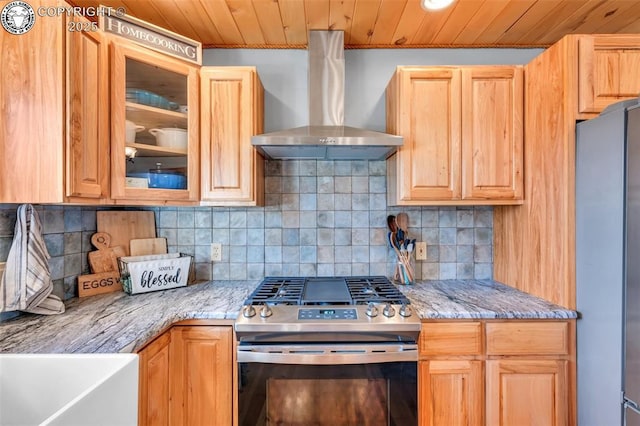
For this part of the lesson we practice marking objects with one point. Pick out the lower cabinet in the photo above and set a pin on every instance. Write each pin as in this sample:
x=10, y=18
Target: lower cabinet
x=511, y=372
x=153, y=394
x=186, y=377
x=527, y=392
x=450, y=392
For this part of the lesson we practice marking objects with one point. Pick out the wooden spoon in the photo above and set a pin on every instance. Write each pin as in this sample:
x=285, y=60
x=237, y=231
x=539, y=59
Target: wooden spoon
x=403, y=223
x=391, y=223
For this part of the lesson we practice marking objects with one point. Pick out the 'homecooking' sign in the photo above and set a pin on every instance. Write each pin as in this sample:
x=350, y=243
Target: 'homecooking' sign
x=151, y=36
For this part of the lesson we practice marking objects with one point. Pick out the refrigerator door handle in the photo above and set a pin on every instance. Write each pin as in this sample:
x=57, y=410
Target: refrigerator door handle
x=631, y=405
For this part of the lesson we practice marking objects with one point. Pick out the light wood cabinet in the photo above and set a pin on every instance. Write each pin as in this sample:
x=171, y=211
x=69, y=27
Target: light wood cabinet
x=497, y=372
x=32, y=111
x=186, y=377
x=492, y=133
x=527, y=392
x=232, y=170
x=87, y=146
x=147, y=89
x=450, y=393
x=201, y=375
x=607, y=70
x=462, y=130
x=423, y=105
x=450, y=374
x=534, y=244
x=153, y=394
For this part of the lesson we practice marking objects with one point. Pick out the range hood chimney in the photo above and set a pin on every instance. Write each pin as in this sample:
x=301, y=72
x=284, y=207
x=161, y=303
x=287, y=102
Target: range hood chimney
x=326, y=137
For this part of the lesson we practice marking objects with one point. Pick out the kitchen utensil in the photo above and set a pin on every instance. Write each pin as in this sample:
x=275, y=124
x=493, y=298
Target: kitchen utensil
x=170, y=137
x=391, y=223
x=402, y=220
x=404, y=271
x=124, y=225
x=144, y=246
x=105, y=259
x=131, y=129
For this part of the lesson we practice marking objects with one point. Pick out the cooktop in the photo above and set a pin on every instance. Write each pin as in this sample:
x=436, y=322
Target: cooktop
x=352, y=290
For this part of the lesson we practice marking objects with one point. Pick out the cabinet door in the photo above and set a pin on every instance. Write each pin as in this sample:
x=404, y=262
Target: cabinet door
x=492, y=133
x=87, y=160
x=450, y=393
x=202, y=372
x=527, y=392
x=32, y=111
x=427, y=166
x=231, y=112
x=157, y=98
x=153, y=403
x=607, y=70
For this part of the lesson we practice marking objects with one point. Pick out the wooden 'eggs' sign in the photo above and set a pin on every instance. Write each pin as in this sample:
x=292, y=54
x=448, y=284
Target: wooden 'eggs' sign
x=104, y=282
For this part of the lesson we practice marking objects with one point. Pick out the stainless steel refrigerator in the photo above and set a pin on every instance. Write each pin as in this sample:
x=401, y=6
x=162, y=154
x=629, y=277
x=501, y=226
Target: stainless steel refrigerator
x=608, y=266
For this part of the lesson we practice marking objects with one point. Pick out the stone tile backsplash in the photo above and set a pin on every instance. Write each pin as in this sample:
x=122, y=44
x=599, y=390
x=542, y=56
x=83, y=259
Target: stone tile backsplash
x=320, y=218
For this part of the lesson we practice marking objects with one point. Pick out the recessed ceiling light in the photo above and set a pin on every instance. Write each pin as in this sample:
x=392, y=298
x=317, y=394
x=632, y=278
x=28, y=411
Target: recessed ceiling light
x=435, y=4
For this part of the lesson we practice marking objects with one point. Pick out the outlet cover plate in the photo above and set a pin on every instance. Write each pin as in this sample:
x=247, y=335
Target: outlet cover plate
x=216, y=252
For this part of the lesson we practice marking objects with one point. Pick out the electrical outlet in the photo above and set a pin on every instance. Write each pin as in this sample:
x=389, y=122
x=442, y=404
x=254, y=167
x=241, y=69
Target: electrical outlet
x=216, y=252
x=421, y=250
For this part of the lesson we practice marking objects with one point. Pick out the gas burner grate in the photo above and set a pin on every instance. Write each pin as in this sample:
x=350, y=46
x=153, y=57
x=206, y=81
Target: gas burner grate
x=361, y=290
x=374, y=289
x=278, y=291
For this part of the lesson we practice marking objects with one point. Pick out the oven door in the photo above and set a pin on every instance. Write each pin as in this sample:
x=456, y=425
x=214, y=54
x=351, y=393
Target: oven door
x=324, y=384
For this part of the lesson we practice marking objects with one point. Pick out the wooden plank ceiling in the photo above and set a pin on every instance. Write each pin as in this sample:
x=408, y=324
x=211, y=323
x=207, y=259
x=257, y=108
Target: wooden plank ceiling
x=383, y=23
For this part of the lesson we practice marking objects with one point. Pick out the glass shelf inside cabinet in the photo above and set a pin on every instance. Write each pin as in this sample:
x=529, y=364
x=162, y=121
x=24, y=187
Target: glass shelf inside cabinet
x=156, y=142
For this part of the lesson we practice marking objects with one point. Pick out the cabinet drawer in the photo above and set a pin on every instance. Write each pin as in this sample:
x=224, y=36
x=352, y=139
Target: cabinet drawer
x=533, y=338
x=451, y=338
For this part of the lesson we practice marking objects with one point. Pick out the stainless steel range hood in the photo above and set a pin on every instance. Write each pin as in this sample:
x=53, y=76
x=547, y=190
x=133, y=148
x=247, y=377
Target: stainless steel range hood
x=326, y=137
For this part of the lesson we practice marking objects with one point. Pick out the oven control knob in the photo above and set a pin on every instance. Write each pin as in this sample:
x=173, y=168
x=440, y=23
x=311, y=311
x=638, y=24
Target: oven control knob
x=372, y=310
x=388, y=311
x=248, y=311
x=405, y=311
x=266, y=311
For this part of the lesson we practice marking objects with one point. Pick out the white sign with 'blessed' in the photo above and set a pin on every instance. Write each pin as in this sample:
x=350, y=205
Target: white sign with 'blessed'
x=142, y=274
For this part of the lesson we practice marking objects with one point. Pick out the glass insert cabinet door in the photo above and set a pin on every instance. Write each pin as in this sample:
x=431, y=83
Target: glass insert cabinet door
x=154, y=126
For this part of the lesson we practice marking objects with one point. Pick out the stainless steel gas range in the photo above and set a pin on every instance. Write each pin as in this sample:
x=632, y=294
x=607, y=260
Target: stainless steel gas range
x=345, y=342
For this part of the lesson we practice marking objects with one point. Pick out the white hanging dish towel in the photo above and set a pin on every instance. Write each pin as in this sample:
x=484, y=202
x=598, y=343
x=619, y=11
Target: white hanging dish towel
x=26, y=284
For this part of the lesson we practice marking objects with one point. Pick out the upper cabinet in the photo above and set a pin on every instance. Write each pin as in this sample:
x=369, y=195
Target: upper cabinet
x=463, y=134
x=87, y=124
x=580, y=75
x=154, y=126
x=232, y=171
x=607, y=70
x=492, y=134
x=32, y=112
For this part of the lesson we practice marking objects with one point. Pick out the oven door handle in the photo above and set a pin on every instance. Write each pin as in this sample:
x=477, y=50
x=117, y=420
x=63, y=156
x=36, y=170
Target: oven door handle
x=327, y=354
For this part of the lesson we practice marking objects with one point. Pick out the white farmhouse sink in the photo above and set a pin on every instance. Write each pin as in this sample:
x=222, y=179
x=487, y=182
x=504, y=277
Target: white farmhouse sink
x=69, y=389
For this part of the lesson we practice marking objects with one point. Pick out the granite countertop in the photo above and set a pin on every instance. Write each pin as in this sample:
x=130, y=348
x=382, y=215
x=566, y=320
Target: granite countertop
x=117, y=322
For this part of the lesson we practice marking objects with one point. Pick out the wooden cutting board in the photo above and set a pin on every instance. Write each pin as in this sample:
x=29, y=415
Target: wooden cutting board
x=105, y=259
x=143, y=246
x=123, y=226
